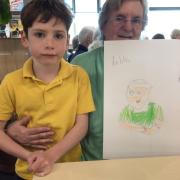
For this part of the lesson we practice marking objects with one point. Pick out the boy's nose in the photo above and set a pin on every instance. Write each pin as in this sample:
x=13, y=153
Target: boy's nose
x=49, y=43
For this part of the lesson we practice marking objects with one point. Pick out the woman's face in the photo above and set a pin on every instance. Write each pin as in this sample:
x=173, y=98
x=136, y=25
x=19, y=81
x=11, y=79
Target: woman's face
x=126, y=22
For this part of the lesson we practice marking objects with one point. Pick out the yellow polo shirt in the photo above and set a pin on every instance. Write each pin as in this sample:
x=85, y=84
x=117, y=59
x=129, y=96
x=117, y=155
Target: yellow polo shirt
x=54, y=105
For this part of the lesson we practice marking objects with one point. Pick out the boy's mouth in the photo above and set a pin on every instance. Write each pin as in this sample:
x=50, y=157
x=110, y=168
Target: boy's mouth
x=50, y=55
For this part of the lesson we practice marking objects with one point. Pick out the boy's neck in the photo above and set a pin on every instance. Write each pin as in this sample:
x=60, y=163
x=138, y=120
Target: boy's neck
x=46, y=73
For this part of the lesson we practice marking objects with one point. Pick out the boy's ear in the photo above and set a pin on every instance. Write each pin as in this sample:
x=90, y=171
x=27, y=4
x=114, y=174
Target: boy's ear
x=24, y=40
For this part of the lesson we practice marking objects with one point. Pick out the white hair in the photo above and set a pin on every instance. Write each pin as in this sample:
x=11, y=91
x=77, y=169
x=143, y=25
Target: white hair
x=86, y=32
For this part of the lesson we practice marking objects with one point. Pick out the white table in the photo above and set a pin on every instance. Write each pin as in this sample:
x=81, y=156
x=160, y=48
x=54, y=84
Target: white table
x=153, y=168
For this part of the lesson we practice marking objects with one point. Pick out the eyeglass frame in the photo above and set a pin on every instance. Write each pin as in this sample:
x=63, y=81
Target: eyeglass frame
x=121, y=20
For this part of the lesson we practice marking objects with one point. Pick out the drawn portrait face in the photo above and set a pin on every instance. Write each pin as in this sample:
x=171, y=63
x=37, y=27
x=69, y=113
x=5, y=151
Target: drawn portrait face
x=138, y=93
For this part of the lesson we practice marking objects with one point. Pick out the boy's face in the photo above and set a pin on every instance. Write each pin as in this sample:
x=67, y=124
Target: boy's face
x=47, y=42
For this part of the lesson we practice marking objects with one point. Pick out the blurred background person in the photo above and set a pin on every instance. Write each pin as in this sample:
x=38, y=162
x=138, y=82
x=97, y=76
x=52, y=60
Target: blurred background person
x=158, y=36
x=97, y=40
x=85, y=39
x=175, y=34
x=73, y=48
x=75, y=42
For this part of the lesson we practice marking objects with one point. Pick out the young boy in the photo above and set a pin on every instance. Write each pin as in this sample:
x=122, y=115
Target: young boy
x=47, y=88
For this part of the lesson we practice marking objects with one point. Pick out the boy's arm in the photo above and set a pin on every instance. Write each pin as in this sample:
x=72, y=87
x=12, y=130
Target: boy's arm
x=71, y=139
x=9, y=146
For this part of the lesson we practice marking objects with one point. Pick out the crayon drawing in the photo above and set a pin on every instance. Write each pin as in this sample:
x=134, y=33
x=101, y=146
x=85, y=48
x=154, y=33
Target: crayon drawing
x=141, y=98
x=141, y=114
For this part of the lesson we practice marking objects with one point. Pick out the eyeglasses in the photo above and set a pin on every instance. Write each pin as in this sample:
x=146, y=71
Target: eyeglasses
x=121, y=20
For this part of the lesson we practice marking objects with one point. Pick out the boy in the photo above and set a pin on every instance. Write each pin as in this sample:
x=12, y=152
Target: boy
x=47, y=88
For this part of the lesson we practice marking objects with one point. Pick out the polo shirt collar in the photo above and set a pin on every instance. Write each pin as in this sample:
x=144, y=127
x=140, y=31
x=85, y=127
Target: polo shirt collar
x=64, y=72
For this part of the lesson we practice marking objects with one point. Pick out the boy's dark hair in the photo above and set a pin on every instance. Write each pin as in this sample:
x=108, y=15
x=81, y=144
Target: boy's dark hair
x=45, y=10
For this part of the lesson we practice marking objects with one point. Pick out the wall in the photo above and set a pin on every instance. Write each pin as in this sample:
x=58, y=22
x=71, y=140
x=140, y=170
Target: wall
x=12, y=56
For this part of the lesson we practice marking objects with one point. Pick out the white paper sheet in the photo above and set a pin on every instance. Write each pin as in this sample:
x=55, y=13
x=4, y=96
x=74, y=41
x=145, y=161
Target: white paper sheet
x=141, y=98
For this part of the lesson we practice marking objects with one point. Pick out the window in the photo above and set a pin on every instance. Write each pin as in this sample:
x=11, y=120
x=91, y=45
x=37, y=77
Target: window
x=81, y=20
x=102, y=2
x=163, y=3
x=70, y=4
x=163, y=16
x=162, y=22
x=16, y=5
x=85, y=14
x=86, y=6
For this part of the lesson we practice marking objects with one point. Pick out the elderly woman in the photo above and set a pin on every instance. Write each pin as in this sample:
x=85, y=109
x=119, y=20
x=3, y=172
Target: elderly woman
x=118, y=20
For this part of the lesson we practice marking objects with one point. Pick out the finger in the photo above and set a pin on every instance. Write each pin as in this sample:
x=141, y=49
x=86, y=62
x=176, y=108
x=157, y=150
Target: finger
x=24, y=120
x=41, y=137
x=31, y=168
x=38, y=165
x=46, y=169
x=34, y=165
x=40, y=174
x=40, y=132
x=42, y=141
x=30, y=162
x=43, y=173
x=37, y=147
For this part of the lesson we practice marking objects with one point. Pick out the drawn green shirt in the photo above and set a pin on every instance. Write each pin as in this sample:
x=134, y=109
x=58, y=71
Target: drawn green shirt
x=143, y=118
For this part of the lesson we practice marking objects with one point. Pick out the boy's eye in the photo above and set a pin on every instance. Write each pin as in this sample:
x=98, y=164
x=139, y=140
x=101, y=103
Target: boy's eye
x=39, y=34
x=59, y=36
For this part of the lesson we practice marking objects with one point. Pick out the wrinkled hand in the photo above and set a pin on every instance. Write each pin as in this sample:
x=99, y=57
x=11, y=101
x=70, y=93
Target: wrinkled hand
x=37, y=138
x=40, y=164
